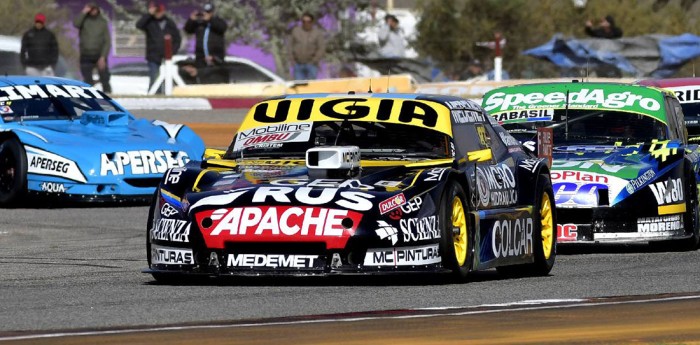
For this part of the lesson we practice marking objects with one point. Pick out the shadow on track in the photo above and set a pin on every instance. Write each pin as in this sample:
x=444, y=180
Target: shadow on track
x=607, y=248
x=417, y=279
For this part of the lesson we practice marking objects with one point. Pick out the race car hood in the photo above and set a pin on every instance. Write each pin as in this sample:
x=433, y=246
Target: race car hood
x=581, y=175
x=290, y=202
x=84, y=151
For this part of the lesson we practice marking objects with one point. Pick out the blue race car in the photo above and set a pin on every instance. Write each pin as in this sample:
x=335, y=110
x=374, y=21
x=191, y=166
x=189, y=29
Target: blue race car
x=65, y=138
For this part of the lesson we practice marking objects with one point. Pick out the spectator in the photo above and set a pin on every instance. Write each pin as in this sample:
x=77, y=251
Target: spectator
x=39, y=52
x=606, y=28
x=209, y=29
x=391, y=41
x=94, y=45
x=158, y=27
x=306, y=48
x=474, y=70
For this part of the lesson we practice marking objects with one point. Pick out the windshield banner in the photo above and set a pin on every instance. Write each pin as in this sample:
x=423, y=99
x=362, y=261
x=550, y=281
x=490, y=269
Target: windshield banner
x=506, y=103
x=412, y=112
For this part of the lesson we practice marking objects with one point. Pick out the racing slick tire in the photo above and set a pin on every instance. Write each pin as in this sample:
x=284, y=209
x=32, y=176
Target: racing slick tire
x=457, y=237
x=13, y=171
x=544, y=237
x=690, y=217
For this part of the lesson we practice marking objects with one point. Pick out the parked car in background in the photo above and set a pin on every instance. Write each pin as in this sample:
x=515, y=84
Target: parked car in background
x=10, y=47
x=132, y=78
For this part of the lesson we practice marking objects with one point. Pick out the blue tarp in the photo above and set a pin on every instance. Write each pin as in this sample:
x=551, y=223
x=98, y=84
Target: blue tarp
x=656, y=56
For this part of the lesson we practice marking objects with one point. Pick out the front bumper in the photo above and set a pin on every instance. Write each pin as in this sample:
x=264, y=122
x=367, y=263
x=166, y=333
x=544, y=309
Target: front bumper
x=616, y=225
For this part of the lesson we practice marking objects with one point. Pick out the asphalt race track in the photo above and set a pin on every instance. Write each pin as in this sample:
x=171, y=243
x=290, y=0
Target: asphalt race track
x=80, y=268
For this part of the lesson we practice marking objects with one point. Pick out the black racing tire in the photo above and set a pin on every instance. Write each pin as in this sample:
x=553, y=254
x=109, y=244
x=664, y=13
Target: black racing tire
x=13, y=171
x=544, y=237
x=149, y=226
x=690, y=217
x=456, y=248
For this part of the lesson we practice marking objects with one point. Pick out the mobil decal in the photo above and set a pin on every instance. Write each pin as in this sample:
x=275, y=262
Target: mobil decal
x=265, y=135
x=278, y=224
x=567, y=232
x=141, y=162
x=512, y=237
x=403, y=256
x=400, y=111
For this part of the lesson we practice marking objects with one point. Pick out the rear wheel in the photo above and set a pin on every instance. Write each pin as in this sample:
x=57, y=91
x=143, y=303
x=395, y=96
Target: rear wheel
x=456, y=237
x=13, y=171
x=690, y=218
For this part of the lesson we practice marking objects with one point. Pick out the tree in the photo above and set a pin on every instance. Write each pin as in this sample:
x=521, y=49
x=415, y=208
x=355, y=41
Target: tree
x=448, y=30
x=267, y=23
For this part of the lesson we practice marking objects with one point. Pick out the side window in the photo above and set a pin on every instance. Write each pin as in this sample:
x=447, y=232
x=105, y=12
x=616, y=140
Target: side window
x=498, y=148
x=675, y=121
x=467, y=138
x=680, y=118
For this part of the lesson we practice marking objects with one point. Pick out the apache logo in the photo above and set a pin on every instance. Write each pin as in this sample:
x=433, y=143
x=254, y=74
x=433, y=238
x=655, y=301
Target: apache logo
x=394, y=202
x=278, y=224
x=142, y=162
x=668, y=192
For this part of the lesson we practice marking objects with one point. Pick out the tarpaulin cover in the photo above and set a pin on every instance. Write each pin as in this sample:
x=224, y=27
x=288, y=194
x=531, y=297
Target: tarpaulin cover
x=643, y=56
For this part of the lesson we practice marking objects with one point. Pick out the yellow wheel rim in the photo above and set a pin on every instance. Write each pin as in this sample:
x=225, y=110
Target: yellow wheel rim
x=459, y=238
x=547, y=225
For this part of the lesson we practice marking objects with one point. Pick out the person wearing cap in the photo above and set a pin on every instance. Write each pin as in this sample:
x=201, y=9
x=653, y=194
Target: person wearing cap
x=307, y=46
x=158, y=27
x=391, y=41
x=209, y=29
x=606, y=28
x=95, y=44
x=39, y=52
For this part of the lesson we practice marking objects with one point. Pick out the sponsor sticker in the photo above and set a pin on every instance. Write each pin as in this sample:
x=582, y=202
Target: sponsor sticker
x=418, y=229
x=141, y=162
x=435, y=174
x=525, y=115
x=412, y=205
x=171, y=256
x=567, y=232
x=467, y=116
x=174, y=230
x=530, y=164
x=17, y=92
x=278, y=224
x=496, y=185
x=583, y=98
x=571, y=194
x=392, y=203
x=53, y=187
x=385, y=231
x=273, y=261
x=167, y=210
x=640, y=181
x=512, y=237
x=668, y=192
x=660, y=224
x=42, y=162
x=273, y=134
x=403, y=256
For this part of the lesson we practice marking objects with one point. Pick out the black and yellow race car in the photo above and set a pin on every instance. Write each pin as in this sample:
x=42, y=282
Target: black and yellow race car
x=359, y=183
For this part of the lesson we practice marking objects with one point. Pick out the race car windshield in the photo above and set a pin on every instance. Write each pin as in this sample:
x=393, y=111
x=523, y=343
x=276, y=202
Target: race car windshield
x=600, y=127
x=376, y=140
x=52, y=108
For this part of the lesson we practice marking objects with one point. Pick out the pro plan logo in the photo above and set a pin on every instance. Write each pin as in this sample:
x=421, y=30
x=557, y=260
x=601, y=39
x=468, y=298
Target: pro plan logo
x=141, y=162
x=668, y=192
x=278, y=224
x=394, y=202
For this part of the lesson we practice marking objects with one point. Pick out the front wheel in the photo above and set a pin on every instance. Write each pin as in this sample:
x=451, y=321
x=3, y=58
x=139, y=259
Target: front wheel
x=457, y=240
x=13, y=171
x=690, y=218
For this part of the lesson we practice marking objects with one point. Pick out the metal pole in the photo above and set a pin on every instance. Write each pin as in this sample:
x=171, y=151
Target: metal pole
x=497, y=60
x=168, y=66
